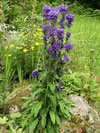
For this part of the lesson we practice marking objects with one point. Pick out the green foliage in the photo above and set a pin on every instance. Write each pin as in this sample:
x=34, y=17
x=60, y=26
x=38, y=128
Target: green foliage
x=18, y=14
x=3, y=120
x=21, y=55
x=45, y=111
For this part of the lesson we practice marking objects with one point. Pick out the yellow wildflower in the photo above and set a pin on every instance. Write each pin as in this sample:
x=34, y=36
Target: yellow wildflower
x=40, y=35
x=28, y=34
x=12, y=45
x=23, y=44
x=21, y=34
x=37, y=43
x=9, y=55
x=25, y=50
x=32, y=47
x=35, y=35
x=39, y=29
x=18, y=47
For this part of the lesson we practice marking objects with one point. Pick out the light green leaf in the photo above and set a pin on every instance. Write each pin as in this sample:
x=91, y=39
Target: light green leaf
x=43, y=75
x=67, y=114
x=26, y=104
x=33, y=125
x=62, y=105
x=52, y=87
x=3, y=120
x=43, y=121
x=36, y=92
x=58, y=120
x=37, y=108
x=15, y=115
x=53, y=100
x=52, y=116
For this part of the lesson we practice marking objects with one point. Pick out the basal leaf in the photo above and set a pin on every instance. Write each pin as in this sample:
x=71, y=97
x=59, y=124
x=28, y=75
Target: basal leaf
x=37, y=108
x=52, y=87
x=33, y=125
x=62, y=105
x=43, y=121
x=58, y=120
x=52, y=116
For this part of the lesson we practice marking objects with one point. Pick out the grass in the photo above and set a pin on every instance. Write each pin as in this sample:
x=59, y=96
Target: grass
x=85, y=36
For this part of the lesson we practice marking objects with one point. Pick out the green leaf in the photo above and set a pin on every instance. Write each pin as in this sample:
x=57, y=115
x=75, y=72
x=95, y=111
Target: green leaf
x=52, y=116
x=33, y=125
x=49, y=125
x=44, y=130
x=26, y=104
x=58, y=120
x=43, y=121
x=36, y=92
x=43, y=75
x=67, y=114
x=51, y=130
x=69, y=110
x=15, y=115
x=3, y=120
x=53, y=100
x=62, y=105
x=37, y=107
x=52, y=87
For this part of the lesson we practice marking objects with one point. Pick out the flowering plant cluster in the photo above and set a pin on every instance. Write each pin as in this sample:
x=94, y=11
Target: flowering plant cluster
x=55, y=48
x=51, y=103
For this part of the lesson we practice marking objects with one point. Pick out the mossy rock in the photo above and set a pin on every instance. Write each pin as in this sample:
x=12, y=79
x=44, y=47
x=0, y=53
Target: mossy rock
x=16, y=98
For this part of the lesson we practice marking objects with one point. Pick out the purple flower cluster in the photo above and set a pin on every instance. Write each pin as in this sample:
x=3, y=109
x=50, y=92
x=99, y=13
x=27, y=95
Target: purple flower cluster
x=70, y=19
x=68, y=34
x=68, y=46
x=63, y=8
x=35, y=74
x=53, y=15
x=46, y=10
x=60, y=33
x=55, y=50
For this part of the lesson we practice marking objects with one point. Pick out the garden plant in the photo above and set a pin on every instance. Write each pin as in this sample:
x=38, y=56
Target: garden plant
x=44, y=113
x=49, y=55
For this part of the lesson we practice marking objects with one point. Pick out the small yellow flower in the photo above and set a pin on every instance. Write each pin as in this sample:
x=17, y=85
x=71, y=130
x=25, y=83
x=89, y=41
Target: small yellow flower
x=18, y=47
x=9, y=55
x=28, y=34
x=39, y=29
x=35, y=35
x=32, y=47
x=25, y=50
x=21, y=34
x=37, y=43
x=23, y=44
x=12, y=45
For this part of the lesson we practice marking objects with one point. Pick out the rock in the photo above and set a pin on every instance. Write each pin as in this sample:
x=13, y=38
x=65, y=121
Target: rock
x=14, y=102
x=85, y=109
x=85, y=116
x=13, y=109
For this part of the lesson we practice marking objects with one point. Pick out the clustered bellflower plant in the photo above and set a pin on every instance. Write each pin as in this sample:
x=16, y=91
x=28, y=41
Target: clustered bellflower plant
x=45, y=112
